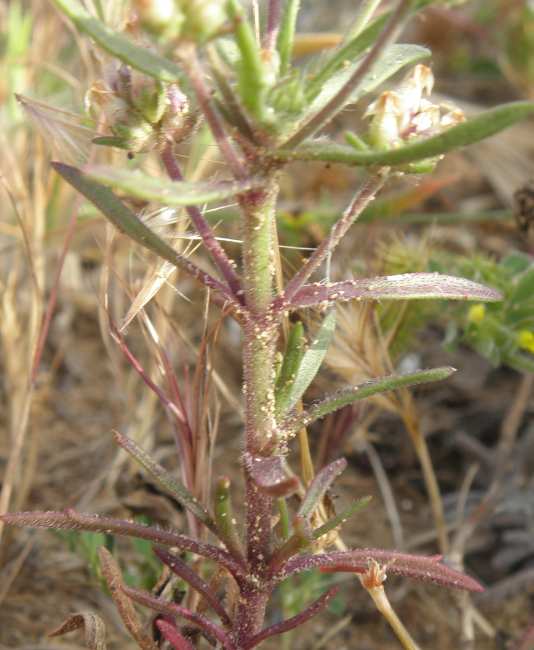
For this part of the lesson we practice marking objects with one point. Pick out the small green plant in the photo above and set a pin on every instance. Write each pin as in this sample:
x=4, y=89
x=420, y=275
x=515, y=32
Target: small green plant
x=189, y=69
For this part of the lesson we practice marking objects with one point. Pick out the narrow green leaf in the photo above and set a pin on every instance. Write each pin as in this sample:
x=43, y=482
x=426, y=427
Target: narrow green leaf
x=162, y=190
x=288, y=372
x=342, y=517
x=392, y=60
x=127, y=222
x=286, y=35
x=469, y=132
x=140, y=58
x=348, y=52
x=225, y=519
x=163, y=478
x=363, y=391
x=251, y=71
x=312, y=359
x=318, y=487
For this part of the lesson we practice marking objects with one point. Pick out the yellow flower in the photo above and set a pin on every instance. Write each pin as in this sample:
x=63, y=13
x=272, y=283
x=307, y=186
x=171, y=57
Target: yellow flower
x=525, y=340
x=476, y=313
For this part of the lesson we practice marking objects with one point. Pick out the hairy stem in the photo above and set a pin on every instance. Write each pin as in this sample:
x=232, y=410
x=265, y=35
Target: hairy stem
x=196, y=75
x=260, y=336
x=218, y=255
x=361, y=200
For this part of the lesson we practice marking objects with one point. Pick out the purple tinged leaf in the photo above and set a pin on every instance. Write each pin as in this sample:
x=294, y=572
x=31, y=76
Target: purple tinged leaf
x=71, y=520
x=295, y=621
x=124, y=606
x=93, y=626
x=269, y=475
x=181, y=569
x=320, y=484
x=407, y=286
x=173, y=610
x=173, y=636
x=418, y=567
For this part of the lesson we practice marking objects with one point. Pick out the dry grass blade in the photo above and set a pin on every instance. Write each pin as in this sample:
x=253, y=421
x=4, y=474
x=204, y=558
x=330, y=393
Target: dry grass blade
x=93, y=626
x=112, y=575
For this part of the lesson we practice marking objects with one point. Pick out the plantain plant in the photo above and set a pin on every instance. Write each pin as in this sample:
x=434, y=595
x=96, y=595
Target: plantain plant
x=187, y=70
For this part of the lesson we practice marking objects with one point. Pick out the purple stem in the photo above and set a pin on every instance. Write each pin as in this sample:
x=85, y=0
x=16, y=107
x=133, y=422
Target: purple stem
x=295, y=621
x=203, y=228
x=187, y=574
x=173, y=609
x=361, y=200
x=196, y=76
x=338, y=100
x=273, y=25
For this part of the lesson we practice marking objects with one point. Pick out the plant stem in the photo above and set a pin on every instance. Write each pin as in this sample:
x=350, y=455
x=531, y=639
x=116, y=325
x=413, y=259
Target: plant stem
x=196, y=75
x=260, y=336
x=361, y=200
x=216, y=251
x=321, y=118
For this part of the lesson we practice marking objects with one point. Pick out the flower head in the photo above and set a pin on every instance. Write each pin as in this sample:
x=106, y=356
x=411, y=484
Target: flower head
x=400, y=115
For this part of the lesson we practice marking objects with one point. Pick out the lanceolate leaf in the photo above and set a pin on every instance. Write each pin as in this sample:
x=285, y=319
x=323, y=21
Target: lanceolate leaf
x=173, y=609
x=348, y=52
x=173, y=636
x=72, y=520
x=363, y=391
x=419, y=567
x=140, y=58
x=161, y=190
x=408, y=286
x=127, y=222
x=172, y=486
x=393, y=59
x=469, y=132
x=320, y=484
x=113, y=578
x=286, y=35
x=290, y=366
x=293, y=622
x=342, y=517
x=181, y=569
x=312, y=360
x=270, y=476
x=251, y=72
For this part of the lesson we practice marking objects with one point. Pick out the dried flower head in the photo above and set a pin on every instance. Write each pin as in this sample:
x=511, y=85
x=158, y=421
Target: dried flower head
x=399, y=115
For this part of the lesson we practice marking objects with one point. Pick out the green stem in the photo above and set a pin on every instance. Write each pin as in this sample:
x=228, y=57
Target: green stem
x=260, y=336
